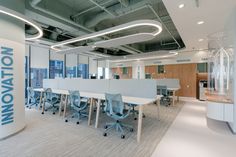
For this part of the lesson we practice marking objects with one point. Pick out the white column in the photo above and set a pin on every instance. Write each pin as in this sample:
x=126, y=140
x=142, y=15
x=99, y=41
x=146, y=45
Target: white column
x=12, y=52
x=138, y=70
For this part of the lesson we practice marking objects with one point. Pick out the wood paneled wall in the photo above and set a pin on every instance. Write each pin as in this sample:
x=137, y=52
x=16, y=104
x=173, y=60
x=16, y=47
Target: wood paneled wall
x=186, y=73
x=119, y=71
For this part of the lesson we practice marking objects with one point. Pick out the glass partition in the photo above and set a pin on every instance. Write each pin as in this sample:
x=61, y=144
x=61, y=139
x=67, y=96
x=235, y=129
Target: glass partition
x=220, y=67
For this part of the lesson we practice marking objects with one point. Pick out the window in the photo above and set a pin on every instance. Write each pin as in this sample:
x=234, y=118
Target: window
x=124, y=70
x=160, y=69
x=37, y=76
x=202, y=67
x=83, y=71
x=71, y=72
x=55, y=69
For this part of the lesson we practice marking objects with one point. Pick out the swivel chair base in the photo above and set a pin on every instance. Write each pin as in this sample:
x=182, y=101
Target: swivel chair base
x=119, y=128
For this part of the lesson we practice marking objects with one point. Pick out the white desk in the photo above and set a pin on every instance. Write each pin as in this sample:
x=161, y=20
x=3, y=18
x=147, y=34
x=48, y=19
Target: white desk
x=174, y=90
x=140, y=102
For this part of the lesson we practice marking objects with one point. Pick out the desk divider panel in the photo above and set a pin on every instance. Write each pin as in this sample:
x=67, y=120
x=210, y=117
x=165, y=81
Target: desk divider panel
x=170, y=83
x=69, y=84
x=96, y=86
x=136, y=87
x=50, y=83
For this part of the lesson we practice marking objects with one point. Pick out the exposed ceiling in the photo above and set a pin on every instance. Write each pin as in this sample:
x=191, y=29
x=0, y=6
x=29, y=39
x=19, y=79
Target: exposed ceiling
x=65, y=19
x=214, y=13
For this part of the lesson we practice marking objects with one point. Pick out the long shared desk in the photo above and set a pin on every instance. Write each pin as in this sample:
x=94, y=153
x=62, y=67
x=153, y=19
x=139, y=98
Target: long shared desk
x=140, y=102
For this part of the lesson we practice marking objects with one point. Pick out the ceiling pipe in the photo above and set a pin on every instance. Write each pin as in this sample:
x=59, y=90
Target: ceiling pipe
x=103, y=8
x=34, y=3
x=158, y=17
x=134, y=10
x=89, y=9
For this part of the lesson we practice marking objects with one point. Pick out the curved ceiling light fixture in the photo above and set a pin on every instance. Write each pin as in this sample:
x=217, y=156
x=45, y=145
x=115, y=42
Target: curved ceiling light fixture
x=122, y=27
x=25, y=19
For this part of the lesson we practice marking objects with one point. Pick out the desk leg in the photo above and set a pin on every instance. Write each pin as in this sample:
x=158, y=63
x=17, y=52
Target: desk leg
x=43, y=106
x=98, y=112
x=90, y=111
x=158, y=108
x=65, y=105
x=140, y=119
x=40, y=100
x=173, y=98
x=60, y=107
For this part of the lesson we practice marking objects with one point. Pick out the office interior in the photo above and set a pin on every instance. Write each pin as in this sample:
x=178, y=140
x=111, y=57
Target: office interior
x=99, y=78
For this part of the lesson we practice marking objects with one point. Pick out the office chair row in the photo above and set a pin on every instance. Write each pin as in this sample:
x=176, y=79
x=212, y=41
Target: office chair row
x=113, y=107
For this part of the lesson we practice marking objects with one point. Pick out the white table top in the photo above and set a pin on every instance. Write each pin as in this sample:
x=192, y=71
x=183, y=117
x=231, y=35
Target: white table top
x=126, y=99
x=173, y=89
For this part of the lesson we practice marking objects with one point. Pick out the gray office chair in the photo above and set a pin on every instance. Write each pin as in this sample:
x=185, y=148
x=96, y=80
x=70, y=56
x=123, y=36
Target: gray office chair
x=165, y=99
x=134, y=112
x=79, y=106
x=32, y=99
x=115, y=108
x=52, y=100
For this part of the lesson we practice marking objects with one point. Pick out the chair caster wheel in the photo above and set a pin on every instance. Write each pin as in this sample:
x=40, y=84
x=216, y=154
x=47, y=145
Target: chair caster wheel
x=122, y=136
x=144, y=116
x=72, y=116
x=77, y=123
x=45, y=110
x=105, y=134
x=53, y=113
x=42, y=112
x=66, y=120
x=135, y=118
x=131, y=130
x=62, y=110
x=105, y=127
x=26, y=106
x=94, y=110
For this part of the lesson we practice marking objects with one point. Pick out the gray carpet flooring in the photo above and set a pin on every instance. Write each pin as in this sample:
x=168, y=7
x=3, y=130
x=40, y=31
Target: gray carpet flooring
x=49, y=136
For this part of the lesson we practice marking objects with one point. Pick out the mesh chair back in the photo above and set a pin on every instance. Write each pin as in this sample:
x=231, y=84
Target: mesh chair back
x=48, y=94
x=31, y=93
x=162, y=90
x=115, y=104
x=75, y=101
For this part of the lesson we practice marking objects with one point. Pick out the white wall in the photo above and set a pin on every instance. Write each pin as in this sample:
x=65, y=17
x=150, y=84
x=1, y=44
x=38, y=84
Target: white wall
x=83, y=59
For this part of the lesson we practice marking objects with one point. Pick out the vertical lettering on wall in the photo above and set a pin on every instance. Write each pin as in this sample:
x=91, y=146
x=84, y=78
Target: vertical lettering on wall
x=7, y=86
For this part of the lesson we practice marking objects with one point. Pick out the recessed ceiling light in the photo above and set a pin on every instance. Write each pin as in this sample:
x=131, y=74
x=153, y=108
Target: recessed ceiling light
x=200, y=40
x=200, y=22
x=181, y=6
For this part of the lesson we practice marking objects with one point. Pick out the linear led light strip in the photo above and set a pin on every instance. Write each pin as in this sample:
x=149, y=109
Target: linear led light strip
x=129, y=25
x=25, y=19
x=146, y=58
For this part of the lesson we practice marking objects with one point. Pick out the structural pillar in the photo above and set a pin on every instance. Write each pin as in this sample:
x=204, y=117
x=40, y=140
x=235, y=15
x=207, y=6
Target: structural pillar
x=12, y=52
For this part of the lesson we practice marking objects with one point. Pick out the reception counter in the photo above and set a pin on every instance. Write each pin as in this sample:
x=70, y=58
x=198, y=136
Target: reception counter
x=219, y=107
